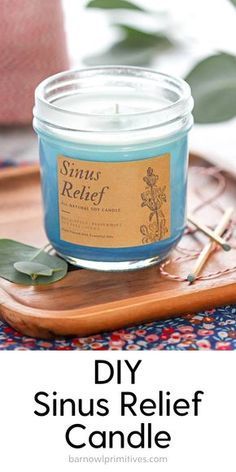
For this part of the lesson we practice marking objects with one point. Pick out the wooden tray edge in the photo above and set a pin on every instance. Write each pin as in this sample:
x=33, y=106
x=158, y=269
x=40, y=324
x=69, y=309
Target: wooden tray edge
x=19, y=171
x=84, y=322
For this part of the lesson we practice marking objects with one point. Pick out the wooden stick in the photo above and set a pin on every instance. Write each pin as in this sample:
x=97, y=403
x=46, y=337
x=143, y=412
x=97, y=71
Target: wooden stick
x=210, y=233
x=206, y=251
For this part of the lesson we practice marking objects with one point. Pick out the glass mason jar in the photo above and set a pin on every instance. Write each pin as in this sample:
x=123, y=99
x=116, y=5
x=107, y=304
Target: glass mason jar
x=113, y=154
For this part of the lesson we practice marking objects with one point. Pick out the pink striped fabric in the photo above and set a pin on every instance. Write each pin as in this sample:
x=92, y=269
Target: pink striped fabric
x=32, y=47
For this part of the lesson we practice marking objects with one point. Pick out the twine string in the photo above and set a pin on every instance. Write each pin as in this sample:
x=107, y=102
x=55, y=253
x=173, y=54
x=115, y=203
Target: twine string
x=204, y=201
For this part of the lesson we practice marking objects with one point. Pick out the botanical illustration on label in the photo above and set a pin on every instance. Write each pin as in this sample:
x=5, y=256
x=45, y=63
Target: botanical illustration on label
x=114, y=204
x=154, y=198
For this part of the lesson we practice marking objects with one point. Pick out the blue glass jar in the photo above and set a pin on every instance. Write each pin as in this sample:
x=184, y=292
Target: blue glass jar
x=113, y=153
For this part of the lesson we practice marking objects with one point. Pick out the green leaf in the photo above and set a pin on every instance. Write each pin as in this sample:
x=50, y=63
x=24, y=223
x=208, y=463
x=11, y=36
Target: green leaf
x=136, y=38
x=233, y=2
x=137, y=48
x=213, y=84
x=33, y=269
x=114, y=4
x=12, y=252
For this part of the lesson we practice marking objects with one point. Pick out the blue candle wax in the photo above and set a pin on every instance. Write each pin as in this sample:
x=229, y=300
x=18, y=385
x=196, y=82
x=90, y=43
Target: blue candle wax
x=114, y=172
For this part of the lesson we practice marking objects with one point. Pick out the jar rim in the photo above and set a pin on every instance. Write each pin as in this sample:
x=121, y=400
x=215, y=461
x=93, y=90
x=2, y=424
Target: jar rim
x=51, y=115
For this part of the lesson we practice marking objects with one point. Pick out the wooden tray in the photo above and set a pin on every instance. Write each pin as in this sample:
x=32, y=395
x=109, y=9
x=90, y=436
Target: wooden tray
x=87, y=302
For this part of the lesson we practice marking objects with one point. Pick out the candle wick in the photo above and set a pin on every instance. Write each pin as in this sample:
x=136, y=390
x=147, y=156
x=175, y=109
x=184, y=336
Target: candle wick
x=117, y=109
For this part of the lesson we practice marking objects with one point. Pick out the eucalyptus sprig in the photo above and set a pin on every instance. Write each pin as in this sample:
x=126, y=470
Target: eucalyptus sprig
x=27, y=265
x=212, y=80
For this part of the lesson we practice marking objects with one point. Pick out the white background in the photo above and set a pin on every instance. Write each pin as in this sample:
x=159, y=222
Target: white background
x=202, y=443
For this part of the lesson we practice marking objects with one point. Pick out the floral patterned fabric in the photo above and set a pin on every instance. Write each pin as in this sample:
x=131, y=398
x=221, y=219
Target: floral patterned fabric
x=213, y=329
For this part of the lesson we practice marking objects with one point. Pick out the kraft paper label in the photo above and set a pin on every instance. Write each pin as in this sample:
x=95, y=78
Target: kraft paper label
x=114, y=204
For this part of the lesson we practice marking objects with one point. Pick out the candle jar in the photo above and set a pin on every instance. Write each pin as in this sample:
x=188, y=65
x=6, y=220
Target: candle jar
x=113, y=155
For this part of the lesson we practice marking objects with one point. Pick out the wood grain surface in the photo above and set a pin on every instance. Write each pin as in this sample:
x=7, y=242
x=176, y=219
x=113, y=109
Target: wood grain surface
x=87, y=302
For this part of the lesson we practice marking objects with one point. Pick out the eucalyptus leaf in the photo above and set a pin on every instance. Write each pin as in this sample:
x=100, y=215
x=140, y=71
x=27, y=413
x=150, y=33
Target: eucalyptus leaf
x=12, y=252
x=213, y=84
x=136, y=38
x=114, y=4
x=33, y=269
x=138, y=48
